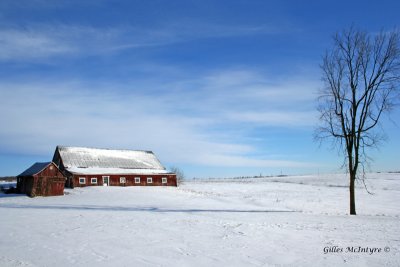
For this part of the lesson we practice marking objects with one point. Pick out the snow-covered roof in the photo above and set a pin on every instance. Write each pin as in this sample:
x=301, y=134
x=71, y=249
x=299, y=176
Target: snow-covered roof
x=35, y=168
x=92, y=160
x=118, y=171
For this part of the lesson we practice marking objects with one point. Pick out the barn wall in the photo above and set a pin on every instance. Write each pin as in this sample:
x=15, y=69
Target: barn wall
x=130, y=180
x=58, y=161
x=25, y=184
x=48, y=186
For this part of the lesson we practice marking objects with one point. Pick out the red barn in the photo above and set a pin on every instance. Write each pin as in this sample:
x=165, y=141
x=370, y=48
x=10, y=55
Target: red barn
x=85, y=166
x=41, y=179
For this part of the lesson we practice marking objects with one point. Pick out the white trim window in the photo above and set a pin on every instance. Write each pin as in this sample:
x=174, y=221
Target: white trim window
x=149, y=180
x=82, y=180
x=137, y=180
x=122, y=180
x=93, y=180
x=164, y=180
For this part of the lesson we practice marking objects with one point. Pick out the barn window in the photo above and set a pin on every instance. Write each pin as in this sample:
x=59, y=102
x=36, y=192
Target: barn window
x=149, y=180
x=164, y=180
x=93, y=180
x=137, y=180
x=82, y=180
x=122, y=180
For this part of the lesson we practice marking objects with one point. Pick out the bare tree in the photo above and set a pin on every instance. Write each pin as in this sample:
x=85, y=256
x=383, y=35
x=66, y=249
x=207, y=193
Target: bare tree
x=180, y=176
x=361, y=75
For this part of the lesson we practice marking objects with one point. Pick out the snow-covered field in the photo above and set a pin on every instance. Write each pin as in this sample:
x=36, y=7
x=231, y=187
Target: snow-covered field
x=286, y=221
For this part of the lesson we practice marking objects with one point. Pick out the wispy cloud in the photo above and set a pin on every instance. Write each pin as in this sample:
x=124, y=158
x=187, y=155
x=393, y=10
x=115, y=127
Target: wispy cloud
x=275, y=118
x=44, y=119
x=177, y=123
x=253, y=97
x=26, y=44
x=38, y=41
x=44, y=41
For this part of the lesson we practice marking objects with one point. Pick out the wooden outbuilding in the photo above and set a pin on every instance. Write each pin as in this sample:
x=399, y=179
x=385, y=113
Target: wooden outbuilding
x=83, y=166
x=41, y=179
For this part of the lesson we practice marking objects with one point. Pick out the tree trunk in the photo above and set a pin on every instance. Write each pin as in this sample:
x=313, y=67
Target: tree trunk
x=352, y=194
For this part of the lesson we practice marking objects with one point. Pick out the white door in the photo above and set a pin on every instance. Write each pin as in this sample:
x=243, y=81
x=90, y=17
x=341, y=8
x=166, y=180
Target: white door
x=106, y=180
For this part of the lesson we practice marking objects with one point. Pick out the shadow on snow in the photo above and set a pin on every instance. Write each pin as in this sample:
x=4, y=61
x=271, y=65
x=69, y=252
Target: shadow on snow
x=134, y=209
x=3, y=195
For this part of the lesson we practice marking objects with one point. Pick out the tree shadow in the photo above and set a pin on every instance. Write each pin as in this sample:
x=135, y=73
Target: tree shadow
x=4, y=195
x=135, y=209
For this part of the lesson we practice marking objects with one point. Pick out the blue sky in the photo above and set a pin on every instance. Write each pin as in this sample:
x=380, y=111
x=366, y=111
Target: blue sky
x=217, y=88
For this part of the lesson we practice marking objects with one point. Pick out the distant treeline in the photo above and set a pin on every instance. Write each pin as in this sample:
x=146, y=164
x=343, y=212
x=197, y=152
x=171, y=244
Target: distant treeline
x=8, y=178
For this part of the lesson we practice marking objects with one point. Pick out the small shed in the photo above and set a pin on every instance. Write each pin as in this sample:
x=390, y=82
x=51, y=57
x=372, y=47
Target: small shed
x=41, y=179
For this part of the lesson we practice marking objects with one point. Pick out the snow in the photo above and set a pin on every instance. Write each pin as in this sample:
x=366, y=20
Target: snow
x=108, y=158
x=97, y=170
x=236, y=222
